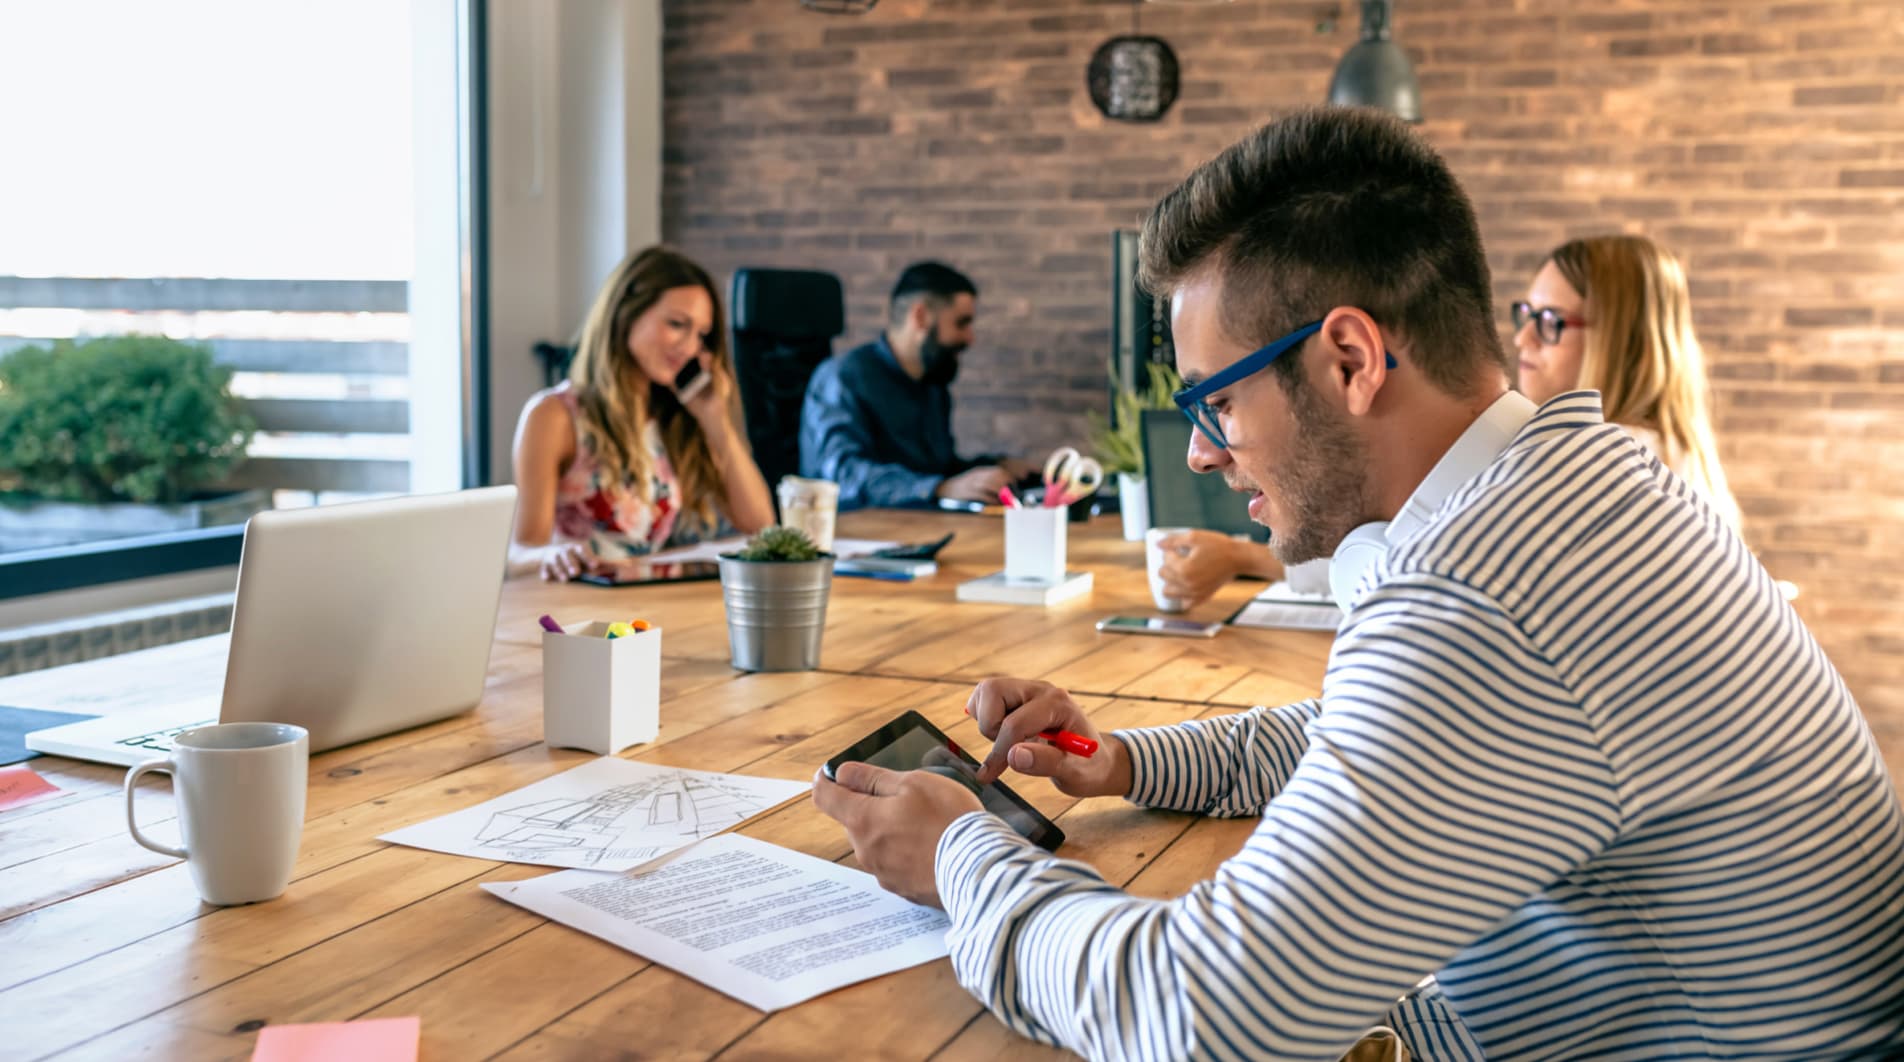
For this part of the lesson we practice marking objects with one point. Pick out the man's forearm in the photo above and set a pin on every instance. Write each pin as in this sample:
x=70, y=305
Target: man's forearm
x=1229, y=766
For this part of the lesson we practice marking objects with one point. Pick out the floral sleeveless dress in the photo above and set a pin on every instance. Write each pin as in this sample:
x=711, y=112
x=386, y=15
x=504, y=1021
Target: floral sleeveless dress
x=611, y=517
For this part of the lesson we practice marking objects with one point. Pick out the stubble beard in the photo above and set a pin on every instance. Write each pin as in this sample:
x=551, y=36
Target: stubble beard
x=1324, y=483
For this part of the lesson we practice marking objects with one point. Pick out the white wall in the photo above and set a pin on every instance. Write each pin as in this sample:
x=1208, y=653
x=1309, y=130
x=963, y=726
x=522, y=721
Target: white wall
x=574, y=175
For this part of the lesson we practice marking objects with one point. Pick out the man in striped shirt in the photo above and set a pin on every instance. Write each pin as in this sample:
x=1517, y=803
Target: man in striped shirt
x=1579, y=783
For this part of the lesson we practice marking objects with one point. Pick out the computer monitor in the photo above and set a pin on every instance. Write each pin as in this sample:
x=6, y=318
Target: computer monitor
x=1180, y=497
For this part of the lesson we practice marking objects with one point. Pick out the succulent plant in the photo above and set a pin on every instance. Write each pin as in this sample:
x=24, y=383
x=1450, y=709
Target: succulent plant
x=779, y=544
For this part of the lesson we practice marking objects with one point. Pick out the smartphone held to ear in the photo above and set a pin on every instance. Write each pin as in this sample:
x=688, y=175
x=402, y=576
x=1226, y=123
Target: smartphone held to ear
x=690, y=381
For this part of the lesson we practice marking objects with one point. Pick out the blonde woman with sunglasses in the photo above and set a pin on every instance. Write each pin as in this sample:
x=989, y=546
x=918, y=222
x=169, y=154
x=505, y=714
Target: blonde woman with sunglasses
x=1612, y=314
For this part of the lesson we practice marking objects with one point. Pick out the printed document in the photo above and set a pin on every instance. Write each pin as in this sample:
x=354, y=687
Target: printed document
x=1280, y=607
x=608, y=814
x=766, y=925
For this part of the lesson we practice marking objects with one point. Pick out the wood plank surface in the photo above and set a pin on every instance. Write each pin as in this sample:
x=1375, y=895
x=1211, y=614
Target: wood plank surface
x=111, y=955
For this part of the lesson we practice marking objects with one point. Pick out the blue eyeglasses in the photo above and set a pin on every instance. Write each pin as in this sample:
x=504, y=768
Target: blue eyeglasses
x=1192, y=399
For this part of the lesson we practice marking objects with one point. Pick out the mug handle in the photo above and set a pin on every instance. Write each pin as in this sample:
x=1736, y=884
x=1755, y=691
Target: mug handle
x=132, y=780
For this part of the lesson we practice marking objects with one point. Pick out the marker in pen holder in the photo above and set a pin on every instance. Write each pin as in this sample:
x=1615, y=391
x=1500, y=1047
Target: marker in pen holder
x=1035, y=544
x=599, y=693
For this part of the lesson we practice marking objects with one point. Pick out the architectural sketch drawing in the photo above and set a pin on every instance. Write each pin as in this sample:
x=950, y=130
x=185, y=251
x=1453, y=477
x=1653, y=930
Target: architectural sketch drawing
x=608, y=814
x=676, y=806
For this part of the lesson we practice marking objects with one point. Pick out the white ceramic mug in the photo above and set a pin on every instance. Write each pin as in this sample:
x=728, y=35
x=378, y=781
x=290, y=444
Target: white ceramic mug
x=810, y=505
x=240, y=790
x=1154, y=557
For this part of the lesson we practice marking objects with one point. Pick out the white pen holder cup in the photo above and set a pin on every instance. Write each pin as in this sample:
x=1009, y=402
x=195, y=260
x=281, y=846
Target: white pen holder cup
x=599, y=693
x=1034, y=544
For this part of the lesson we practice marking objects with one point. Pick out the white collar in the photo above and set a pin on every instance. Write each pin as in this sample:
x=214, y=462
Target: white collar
x=1470, y=455
x=1476, y=448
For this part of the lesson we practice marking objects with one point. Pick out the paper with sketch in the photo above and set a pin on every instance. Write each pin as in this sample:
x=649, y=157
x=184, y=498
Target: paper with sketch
x=608, y=814
x=710, y=552
x=769, y=926
x=1280, y=607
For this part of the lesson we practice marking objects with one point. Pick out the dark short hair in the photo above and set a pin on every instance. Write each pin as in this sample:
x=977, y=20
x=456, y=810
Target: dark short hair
x=1334, y=206
x=935, y=280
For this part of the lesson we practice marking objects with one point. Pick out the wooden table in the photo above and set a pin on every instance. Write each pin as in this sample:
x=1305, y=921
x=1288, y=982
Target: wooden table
x=109, y=954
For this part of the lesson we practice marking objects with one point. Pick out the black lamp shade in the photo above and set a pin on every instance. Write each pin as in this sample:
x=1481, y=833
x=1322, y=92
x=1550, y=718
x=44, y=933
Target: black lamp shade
x=1133, y=79
x=1376, y=72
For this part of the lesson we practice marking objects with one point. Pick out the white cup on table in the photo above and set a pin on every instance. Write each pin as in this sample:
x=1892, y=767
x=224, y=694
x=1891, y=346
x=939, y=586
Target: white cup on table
x=810, y=505
x=240, y=789
x=1154, y=556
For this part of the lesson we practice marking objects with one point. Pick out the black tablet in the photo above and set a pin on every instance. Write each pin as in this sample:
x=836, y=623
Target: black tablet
x=639, y=572
x=910, y=743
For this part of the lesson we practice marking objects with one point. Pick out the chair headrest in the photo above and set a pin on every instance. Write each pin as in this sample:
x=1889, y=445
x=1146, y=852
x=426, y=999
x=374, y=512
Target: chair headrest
x=793, y=303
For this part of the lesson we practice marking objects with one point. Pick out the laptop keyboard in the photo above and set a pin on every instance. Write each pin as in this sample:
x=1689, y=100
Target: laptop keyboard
x=161, y=740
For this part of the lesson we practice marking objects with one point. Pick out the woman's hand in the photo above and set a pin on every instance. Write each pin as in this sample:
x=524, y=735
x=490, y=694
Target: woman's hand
x=562, y=561
x=1012, y=712
x=712, y=408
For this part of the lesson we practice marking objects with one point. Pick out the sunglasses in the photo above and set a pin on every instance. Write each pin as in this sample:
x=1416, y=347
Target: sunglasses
x=1548, y=322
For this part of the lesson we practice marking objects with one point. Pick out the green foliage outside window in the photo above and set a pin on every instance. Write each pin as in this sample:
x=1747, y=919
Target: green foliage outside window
x=118, y=419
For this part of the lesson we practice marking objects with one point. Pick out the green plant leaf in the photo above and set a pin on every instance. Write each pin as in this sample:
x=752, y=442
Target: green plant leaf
x=1120, y=448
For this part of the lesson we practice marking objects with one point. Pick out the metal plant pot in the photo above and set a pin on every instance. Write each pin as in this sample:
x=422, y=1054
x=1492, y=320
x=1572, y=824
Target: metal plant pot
x=776, y=612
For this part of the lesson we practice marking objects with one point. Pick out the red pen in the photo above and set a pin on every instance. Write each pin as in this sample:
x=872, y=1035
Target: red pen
x=1075, y=744
x=1007, y=498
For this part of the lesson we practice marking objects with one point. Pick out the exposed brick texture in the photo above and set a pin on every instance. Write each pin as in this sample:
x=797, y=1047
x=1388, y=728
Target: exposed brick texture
x=1763, y=141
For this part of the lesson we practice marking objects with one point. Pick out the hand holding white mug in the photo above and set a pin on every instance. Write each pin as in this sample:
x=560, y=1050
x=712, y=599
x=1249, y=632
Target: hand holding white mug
x=1187, y=565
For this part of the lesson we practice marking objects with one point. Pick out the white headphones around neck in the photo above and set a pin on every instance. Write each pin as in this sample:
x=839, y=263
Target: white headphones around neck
x=1362, y=549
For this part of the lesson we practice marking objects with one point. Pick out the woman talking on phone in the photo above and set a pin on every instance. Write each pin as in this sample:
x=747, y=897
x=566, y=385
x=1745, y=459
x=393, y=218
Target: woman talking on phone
x=641, y=447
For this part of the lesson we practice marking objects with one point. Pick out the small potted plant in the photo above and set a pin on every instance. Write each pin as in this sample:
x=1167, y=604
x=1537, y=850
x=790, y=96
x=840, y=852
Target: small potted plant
x=775, y=589
x=1120, y=445
x=117, y=436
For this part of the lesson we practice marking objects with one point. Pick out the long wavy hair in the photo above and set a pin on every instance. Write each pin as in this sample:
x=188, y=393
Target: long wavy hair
x=1640, y=351
x=616, y=399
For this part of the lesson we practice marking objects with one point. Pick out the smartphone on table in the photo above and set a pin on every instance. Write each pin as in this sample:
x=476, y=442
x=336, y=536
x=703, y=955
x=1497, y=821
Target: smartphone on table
x=690, y=381
x=1167, y=625
x=911, y=743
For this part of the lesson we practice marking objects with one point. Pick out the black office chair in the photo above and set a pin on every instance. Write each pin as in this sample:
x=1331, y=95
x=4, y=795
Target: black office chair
x=555, y=360
x=784, y=324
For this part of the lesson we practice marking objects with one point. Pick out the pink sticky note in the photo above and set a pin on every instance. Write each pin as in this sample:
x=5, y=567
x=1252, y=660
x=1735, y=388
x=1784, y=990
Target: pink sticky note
x=376, y=1040
x=20, y=784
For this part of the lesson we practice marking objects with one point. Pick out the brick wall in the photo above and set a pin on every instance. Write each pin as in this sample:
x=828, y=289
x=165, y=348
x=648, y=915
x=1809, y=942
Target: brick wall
x=1763, y=141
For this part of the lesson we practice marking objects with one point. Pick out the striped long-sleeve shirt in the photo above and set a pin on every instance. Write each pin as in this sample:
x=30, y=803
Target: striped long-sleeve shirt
x=1574, y=757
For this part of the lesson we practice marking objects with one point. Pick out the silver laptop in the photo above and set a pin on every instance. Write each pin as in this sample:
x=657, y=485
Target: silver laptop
x=351, y=621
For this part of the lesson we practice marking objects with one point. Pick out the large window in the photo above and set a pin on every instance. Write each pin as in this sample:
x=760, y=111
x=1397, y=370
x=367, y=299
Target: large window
x=234, y=239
